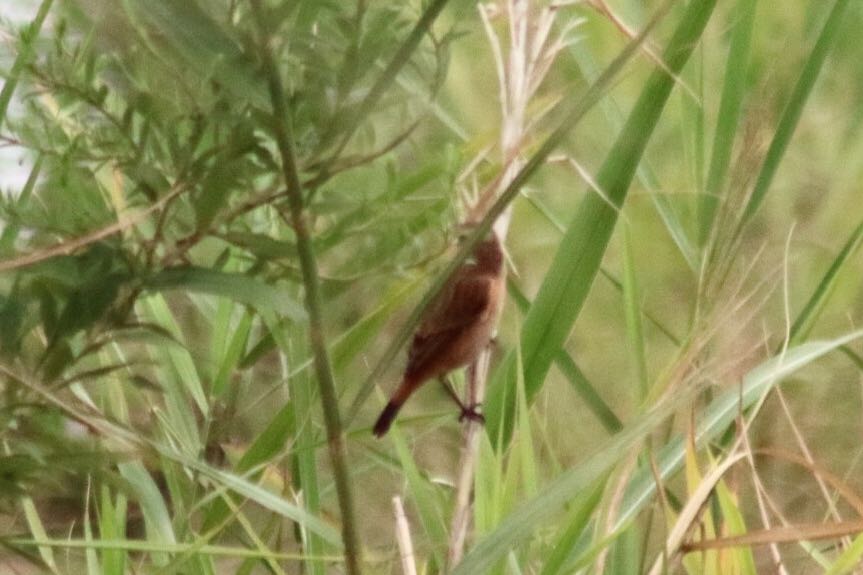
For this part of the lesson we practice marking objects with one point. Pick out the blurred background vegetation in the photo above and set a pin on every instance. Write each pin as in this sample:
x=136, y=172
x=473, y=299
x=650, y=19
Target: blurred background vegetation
x=160, y=406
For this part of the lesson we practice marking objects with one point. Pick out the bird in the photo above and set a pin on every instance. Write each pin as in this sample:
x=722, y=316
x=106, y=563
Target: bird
x=458, y=325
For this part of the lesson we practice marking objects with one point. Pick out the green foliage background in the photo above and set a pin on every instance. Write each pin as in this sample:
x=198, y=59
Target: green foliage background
x=160, y=411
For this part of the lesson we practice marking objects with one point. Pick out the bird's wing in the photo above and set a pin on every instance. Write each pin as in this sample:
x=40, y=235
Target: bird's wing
x=458, y=308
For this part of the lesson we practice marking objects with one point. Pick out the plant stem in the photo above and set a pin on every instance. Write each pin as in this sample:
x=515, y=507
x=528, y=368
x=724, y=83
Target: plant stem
x=308, y=265
x=477, y=377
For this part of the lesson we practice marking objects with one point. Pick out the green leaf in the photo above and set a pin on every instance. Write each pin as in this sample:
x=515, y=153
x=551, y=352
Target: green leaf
x=577, y=524
x=201, y=43
x=157, y=519
x=112, y=526
x=721, y=413
x=577, y=260
x=849, y=560
x=735, y=524
x=804, y=322
x=231, y=358
x=305, y=435
x=634, y=330
x=259, y=495
x=793, y=111
x=523, y=523
x=570, y=370
x=733, y=90
x=25, y=55
x=213, y=196
x=238, y=287
x=422, y=494
x=37, y=528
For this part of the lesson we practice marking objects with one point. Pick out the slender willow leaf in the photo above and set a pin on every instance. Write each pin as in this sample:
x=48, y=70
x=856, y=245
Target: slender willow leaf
x=25, y=54
x=201, y=43
x=793, y=110
x=390, y=73
x=576, y=263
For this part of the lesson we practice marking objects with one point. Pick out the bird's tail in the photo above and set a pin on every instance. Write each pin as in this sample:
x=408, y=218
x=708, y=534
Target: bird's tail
x=389, y=413
x=386, y=419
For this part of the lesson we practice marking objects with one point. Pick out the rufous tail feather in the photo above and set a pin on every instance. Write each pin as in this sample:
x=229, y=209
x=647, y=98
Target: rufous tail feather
x=389, y=413
x=386, y=419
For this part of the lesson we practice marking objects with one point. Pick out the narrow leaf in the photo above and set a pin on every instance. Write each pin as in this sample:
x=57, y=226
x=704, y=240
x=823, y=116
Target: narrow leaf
x=577, y=260
x=793, y=111
x=238, y=287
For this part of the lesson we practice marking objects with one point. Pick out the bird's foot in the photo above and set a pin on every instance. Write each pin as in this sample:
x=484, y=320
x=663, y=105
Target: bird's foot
x=471, y=413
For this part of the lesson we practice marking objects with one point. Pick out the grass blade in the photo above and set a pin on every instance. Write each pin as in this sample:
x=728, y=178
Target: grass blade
x=664, y=207
x=804, y=322
x=422, y=493
x=720, y=414
x=634, y=330
x=522, y=524
x=37, y=528
x=238, y=287
x=579, y=522
x=156, y=517
x=570, y=370
x=733, y=89
x=793, y=111
x=577, y=260
x=849, y=560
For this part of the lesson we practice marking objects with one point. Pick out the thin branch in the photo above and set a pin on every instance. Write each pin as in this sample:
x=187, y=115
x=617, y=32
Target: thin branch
x=73, y=245
x=297, y=219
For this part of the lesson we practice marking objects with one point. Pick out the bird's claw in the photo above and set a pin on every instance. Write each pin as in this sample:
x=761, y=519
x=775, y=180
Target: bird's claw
x=471, y=413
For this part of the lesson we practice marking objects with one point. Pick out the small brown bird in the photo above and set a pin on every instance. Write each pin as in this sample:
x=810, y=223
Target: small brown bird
x=457, y=327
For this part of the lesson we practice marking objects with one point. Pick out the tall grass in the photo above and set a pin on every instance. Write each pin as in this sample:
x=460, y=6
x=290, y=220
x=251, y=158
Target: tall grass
x=236, y=214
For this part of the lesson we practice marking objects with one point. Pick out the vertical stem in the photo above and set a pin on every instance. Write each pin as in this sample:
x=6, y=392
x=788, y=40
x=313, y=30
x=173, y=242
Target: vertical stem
x=477, y=376
x=296, y=218
x=403, y=536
